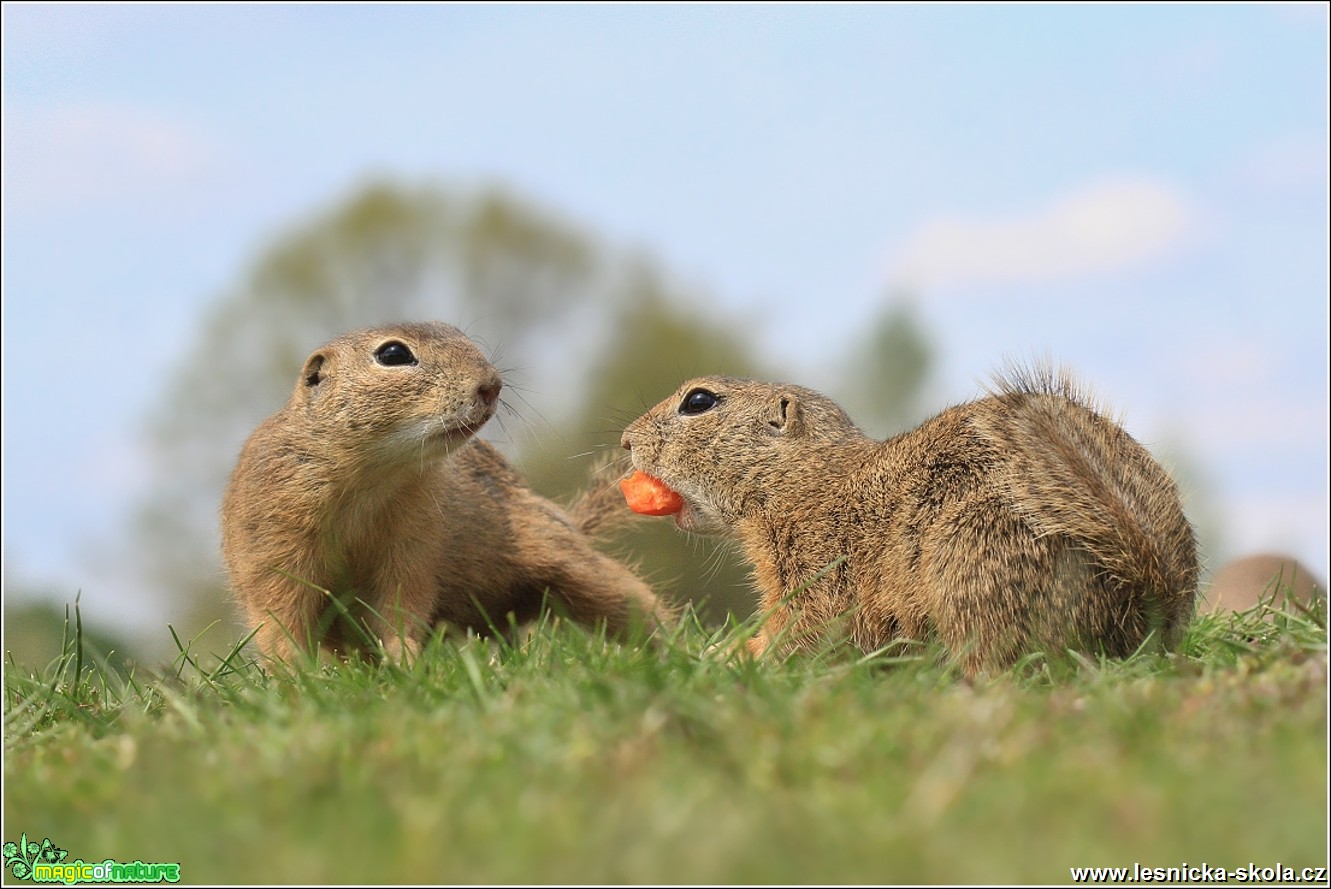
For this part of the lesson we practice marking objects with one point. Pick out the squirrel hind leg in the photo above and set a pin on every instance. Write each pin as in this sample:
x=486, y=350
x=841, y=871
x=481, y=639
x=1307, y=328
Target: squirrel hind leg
x=595, y=590
x=1042, y=596
x=998, y=592
x=560, y=562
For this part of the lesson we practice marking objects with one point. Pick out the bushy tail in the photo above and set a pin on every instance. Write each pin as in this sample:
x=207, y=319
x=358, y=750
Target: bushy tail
x=600, y=506
x=1073, y=472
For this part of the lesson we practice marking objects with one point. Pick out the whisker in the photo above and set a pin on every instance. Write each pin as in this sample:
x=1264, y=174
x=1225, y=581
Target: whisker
x=526, y=426
x=520, y=393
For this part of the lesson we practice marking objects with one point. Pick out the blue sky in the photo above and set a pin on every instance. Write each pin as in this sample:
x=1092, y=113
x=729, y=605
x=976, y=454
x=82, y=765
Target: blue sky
x=1140, y=191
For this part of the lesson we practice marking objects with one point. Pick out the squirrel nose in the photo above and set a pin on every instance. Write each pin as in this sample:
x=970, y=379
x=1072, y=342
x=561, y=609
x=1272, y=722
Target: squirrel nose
x=489, y=390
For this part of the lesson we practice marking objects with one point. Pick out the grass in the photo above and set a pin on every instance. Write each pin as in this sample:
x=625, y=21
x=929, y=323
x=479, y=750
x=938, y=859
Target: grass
x=570, y=759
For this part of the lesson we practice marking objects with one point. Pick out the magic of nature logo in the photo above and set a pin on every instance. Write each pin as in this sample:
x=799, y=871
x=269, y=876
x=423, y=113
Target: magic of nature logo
x=45, y=862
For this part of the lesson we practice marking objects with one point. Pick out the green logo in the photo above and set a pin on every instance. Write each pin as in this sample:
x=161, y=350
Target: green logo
x=45, y=863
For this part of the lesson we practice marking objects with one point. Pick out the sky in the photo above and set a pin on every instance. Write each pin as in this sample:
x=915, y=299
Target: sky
x=1138, y=191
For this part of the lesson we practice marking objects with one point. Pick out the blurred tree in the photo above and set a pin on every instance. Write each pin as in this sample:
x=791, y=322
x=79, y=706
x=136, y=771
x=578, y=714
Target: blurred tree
x=885, y=375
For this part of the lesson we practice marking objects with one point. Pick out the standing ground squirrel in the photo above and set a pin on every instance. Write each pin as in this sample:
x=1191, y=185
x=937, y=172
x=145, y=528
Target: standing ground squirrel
x=370, y=485
x=1024, y=521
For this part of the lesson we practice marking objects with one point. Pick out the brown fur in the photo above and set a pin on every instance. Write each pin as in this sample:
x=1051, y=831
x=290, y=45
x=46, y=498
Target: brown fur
x=369, y=485
x=1023, y=521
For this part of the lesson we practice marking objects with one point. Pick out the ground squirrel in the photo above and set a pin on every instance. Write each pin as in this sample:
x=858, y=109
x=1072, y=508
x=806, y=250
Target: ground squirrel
x=369, y=484
x=1024, y=521
x=1277, y=579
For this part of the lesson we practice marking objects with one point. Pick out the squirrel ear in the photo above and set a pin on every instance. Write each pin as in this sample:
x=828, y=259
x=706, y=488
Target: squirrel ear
x=783, y=414
x=312, y=375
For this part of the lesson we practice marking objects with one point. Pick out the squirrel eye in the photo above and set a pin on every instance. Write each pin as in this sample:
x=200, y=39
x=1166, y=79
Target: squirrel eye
x=698, y=401
x=394, y=354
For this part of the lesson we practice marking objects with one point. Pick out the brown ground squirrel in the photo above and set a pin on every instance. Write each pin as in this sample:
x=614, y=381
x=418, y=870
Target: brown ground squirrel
x=1277, y=579
x=369, y=484
x=1024, y=521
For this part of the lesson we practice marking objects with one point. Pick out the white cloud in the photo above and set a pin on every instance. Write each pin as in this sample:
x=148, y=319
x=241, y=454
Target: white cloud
x=1104, y=227
x=76, y=154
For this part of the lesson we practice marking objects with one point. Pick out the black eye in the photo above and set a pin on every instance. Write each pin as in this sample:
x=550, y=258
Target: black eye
x=698, y=401
x=394, y=354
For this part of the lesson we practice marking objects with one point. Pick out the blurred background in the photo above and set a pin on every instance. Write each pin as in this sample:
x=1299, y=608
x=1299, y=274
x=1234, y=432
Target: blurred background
x=885, y=203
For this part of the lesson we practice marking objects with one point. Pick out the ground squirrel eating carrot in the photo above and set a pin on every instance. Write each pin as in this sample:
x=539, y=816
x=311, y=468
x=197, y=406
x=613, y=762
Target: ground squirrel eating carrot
x=1024, y=521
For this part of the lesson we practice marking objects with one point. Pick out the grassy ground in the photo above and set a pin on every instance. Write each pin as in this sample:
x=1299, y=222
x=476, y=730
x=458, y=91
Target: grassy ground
x=570, y=759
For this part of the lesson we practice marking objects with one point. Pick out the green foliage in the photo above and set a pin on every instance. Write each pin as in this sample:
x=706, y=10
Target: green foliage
x=569, y=759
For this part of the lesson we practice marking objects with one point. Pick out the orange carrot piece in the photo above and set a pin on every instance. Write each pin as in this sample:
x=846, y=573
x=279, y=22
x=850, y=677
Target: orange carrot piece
x=650, y=496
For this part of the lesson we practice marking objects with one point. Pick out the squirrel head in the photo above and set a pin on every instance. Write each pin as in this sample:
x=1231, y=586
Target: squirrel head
x=725, y=444
x=413, y=391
